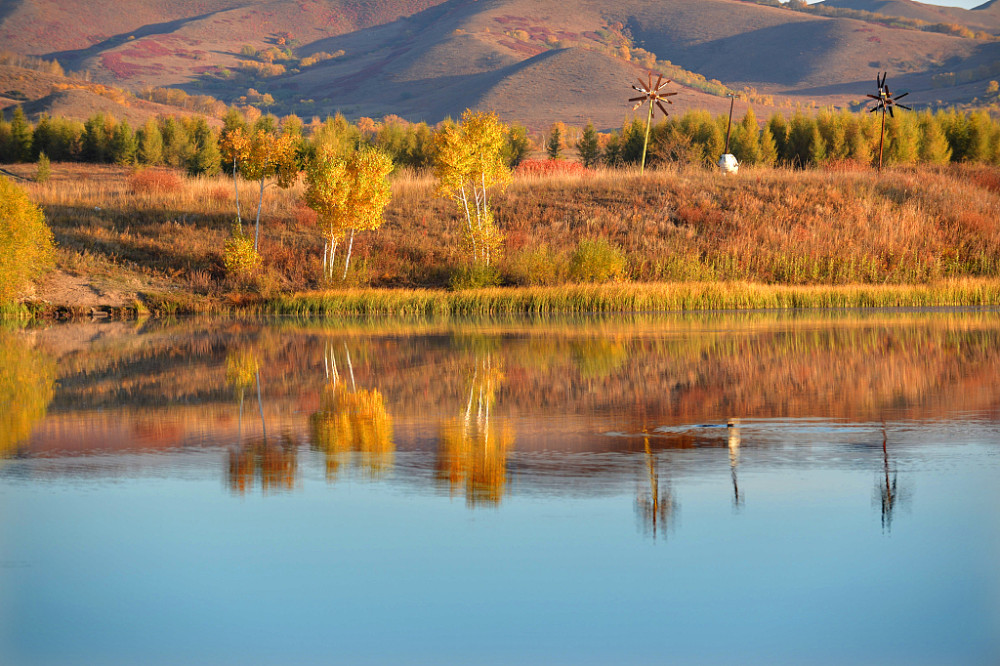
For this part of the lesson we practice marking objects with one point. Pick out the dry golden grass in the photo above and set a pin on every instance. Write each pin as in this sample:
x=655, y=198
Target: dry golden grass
x=158, y=230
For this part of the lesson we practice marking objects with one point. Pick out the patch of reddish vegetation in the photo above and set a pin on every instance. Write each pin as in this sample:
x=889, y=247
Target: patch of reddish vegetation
x=551, y=168
x=150, y=180
x=205, y=69
x=522, y=47
x=988, y=179
x=122, y=70
x=147, y=48
x=304, y=216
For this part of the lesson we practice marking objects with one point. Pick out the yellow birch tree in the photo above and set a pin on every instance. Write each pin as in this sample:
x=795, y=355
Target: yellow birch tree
x=348, y=195
x=469, y=167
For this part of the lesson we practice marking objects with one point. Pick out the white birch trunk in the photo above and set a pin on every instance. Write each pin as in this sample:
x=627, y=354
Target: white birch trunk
x=468, y=221
x=236, y=186
x=333, y=253
x=347, y=261
x=260, y=203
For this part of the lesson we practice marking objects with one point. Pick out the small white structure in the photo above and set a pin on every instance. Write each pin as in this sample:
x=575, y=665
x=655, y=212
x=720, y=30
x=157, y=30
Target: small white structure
x=728, y=163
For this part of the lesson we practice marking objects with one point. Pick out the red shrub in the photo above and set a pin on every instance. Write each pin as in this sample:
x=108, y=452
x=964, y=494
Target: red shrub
x=150, y=180
x=220, y=194
x=551, y=168
x=304, y=216
x=986, y=178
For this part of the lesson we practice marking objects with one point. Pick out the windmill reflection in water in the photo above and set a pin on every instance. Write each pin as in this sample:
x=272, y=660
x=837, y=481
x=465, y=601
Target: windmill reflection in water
x=887, y=493
x=657, y=509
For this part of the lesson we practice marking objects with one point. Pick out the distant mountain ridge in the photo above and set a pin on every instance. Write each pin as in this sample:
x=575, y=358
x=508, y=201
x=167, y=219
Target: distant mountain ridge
x=532, y=60
x=985, y=16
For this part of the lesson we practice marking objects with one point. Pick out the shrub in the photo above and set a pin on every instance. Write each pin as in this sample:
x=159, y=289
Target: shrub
x=537, y=266
x=597, y=260
x=550, y=168
x=26, y=248
x=157, y=181
x=43, y=169
x=475, y=276
x=240, y=258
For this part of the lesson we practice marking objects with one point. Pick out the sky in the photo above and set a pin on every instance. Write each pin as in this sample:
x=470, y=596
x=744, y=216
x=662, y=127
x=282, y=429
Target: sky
x=967, y=4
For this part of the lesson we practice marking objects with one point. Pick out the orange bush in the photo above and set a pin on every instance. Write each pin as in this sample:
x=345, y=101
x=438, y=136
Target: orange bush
x=550, y=168
x=149, y=180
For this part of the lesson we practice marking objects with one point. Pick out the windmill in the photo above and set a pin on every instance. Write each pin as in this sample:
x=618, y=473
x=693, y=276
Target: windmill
x=652, y=95
x=885, y=101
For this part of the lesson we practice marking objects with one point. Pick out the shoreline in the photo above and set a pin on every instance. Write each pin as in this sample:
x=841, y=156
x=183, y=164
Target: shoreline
x=625, y=298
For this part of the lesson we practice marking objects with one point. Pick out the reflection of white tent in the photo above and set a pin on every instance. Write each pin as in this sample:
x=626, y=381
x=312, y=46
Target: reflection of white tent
x=728, y=163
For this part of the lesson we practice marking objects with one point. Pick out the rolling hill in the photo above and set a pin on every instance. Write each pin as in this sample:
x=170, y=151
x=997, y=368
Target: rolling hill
x=534, y=61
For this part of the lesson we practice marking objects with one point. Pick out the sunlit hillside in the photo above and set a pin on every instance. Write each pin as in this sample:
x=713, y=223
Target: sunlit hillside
x=534, y=62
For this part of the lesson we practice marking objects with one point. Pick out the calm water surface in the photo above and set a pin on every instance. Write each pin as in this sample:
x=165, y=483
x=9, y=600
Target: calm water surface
x=713, y=489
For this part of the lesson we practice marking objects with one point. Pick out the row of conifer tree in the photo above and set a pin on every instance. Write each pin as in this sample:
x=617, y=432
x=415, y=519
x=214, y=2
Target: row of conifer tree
x=801, y=140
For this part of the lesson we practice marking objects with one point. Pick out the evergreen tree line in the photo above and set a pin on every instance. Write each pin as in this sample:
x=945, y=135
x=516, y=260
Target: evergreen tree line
x=695, y=137
x=190, y=143
x=187, y=143
x=803, y=140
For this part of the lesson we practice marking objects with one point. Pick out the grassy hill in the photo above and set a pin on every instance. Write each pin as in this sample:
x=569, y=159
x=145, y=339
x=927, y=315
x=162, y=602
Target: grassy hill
x=535, y=61
x=983, y=17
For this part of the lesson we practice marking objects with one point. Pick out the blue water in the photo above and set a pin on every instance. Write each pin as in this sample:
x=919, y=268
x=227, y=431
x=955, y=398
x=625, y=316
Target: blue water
x=776, y=549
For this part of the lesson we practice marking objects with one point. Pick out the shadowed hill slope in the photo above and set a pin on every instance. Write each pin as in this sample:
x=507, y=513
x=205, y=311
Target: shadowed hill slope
x=534, y=60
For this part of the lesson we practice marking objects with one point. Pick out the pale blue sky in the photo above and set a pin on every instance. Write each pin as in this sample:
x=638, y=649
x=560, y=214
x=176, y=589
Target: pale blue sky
x=968, y=4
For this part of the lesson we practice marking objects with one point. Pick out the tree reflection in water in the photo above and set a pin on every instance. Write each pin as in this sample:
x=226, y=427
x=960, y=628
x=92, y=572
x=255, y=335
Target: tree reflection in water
x=472, y=452
x=657, y=509
x=351, y=422
x=27, y=385
x=274, y=466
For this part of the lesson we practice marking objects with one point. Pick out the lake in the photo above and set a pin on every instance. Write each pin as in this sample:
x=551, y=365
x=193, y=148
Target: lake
x=730, y=488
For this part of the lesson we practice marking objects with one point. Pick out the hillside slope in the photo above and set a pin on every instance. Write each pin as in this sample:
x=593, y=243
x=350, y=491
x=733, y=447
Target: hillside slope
x=533, y=60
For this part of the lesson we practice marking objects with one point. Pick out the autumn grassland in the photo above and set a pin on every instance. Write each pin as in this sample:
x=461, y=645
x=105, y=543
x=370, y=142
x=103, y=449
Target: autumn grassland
x=154, y=240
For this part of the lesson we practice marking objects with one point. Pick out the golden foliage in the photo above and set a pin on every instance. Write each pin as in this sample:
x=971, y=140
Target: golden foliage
x=349, y=193
x=473, y=450
x=262, y=155
x=27, y=385
x=353, y=422
x=241, y=369
x=469, y=166
x=274, y=466
x=239, y=256
x=26, y=248
x=474, y=457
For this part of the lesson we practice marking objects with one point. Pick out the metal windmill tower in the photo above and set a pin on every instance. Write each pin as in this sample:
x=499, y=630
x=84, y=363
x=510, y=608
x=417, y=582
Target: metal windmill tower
x=885, y=101
x=651, y=94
